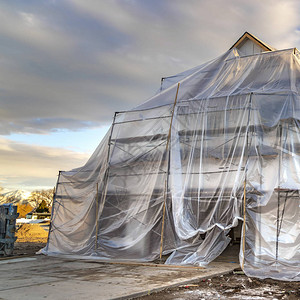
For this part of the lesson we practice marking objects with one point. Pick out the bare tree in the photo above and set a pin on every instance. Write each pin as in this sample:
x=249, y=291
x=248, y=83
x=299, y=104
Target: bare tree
x=36, y=197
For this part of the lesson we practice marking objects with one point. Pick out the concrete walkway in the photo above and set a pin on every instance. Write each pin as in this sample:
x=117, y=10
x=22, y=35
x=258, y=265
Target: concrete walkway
x=42, y=277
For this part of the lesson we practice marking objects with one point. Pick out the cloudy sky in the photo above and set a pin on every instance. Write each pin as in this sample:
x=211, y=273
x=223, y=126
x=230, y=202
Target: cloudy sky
x=66, y=66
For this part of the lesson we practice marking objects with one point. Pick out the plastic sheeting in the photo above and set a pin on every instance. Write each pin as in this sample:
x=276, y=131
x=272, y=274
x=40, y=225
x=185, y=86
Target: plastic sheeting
x=174, y=176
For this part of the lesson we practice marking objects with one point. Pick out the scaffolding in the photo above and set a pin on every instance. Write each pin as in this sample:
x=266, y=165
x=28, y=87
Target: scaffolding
x=174, y=175
x=8, y=216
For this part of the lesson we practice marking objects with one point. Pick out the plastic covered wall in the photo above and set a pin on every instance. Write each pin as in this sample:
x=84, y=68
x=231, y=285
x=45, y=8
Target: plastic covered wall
x=175, y=174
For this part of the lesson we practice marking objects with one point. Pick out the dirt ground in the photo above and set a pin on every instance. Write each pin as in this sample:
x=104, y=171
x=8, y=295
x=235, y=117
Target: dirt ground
x=27, y=248
x=231, y=286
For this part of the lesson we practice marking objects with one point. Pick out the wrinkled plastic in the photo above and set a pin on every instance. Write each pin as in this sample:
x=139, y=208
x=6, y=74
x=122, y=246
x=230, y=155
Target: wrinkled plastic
x=173, y=178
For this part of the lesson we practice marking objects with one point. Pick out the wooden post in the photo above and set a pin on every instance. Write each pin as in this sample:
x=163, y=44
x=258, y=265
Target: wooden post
x=105, y=183
x=245, y=182
x=97, y=215
x=166, y=179
x=163, y=222
x=278, y=191
x=244, y=225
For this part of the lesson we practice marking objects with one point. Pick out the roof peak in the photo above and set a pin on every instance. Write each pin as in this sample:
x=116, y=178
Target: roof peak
x=248, y=36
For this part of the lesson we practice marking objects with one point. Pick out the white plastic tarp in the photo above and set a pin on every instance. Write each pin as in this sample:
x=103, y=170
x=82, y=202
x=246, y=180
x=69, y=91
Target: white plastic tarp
x=173, y=176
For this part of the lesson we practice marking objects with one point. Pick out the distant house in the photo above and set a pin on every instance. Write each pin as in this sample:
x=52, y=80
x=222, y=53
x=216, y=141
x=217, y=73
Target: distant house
x=34, y=215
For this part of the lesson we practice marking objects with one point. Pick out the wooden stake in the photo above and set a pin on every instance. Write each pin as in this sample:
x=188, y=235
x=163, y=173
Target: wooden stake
x=244, y=225
x=97, y=215
x=163, y=222
x=278, y=197
x=105, y=180
x=245, y=181
x=166, y=180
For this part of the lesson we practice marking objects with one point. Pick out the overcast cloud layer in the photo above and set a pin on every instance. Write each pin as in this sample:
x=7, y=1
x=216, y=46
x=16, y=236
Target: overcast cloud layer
x=70, y=64
x=34, y=167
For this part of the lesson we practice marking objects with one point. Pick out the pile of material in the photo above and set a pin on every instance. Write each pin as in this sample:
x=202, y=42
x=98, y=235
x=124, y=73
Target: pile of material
x=35, y=233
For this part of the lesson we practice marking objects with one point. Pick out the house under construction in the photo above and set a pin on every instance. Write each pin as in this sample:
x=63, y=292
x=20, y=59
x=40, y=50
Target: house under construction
x=218, y=145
